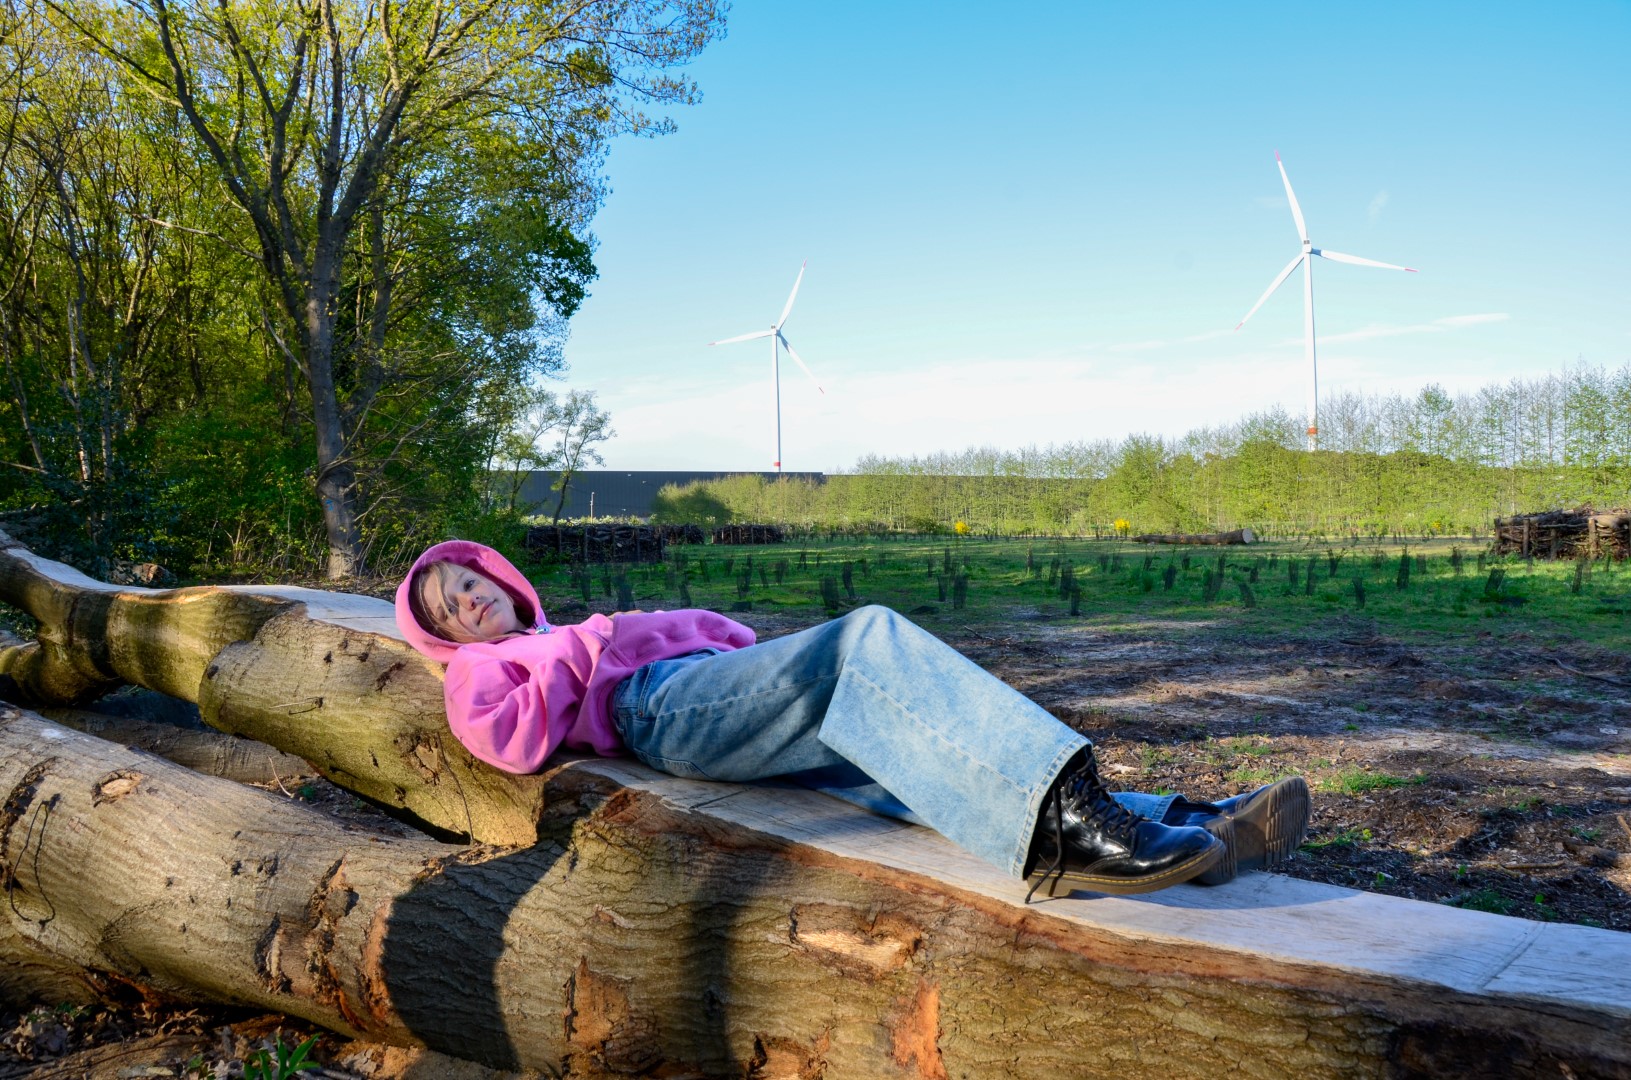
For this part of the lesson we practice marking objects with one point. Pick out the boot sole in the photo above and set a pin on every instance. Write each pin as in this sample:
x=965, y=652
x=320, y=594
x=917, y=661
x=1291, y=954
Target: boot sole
x=1121, y=886
x=1265, y=831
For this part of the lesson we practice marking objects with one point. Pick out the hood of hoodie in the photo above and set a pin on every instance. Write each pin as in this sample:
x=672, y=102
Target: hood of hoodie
x=473, y=556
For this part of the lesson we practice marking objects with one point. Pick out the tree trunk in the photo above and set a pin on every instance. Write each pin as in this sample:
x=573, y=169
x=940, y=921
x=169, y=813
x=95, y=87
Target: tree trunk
x=336, y=479
x=324, y=676
x=661, y=928
x=560, y=503
x=229, y=757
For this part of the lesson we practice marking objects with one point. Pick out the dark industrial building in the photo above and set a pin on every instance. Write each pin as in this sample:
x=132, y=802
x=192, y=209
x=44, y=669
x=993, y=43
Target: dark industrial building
x=613, y=493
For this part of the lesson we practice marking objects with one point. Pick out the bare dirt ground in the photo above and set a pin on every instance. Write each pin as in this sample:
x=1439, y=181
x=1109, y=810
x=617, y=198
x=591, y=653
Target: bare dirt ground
x=1487, y=775
x=1493, y=775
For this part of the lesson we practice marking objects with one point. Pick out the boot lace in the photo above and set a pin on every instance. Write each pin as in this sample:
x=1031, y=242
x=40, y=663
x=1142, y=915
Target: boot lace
x=1084, y=794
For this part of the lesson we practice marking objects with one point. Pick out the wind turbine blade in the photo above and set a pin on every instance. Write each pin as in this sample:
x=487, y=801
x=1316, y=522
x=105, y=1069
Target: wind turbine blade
x=743, y=337
x=788, y=345
x=789, y=308
x=1337, y=256
x=1296, y=211
x=1292, y=265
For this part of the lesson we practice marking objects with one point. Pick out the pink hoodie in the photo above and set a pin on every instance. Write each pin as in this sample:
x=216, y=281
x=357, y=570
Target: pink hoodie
x=512, y=702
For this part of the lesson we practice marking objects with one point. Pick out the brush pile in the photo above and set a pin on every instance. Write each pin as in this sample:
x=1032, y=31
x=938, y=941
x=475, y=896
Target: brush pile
x=607, y=543
x=1565, y=534
x=1238, y=536
x=749, y=534
x=681, y=534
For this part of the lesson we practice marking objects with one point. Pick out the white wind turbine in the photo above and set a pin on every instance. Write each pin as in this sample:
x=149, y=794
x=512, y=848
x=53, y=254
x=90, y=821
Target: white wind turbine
x=1305, y=257
x=778, y=342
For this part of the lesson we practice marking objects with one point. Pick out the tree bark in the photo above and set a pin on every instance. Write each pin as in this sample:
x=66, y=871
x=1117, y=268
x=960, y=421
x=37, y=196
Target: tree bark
x=324, y=676
x=228, y=757
x=642, y=937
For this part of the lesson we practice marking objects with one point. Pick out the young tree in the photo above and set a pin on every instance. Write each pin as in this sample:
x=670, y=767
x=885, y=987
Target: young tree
x=518, y=421
x=314, y=112
x=579, y=424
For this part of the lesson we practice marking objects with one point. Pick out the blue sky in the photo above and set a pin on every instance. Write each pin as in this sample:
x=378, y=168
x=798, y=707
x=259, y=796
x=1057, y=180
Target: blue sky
x=1042, y=223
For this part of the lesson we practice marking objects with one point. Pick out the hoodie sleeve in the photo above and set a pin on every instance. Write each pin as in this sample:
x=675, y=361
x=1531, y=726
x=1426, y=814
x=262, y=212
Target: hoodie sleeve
x=499, y=712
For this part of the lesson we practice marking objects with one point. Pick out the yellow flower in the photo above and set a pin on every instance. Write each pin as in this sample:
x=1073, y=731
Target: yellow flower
x=1123, y=526
x=960, y=528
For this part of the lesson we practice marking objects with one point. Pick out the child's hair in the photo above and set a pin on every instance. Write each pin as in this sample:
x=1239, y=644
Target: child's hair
x=433, y=615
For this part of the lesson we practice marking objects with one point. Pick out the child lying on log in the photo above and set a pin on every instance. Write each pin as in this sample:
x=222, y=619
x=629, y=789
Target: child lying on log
x=868, y=707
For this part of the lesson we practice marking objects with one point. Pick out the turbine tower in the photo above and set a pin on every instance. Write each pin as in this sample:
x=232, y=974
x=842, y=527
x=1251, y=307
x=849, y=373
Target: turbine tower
x=1306, y=258
x=778, y=342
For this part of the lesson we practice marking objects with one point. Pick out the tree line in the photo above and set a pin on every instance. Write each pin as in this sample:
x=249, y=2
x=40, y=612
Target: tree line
x=279, y=277
x=1422, y=464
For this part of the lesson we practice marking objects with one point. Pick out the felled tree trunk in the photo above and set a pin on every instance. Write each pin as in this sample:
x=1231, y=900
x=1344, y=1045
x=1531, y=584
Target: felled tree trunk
x=640, y=937
x=1238, y=536
x=324, y=676
x=212, y=753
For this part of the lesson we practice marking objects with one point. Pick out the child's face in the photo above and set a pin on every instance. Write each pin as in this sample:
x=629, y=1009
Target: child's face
x=469, y=606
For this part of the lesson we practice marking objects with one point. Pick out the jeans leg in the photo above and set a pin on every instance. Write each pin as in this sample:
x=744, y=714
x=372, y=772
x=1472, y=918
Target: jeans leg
x=1153, y=807
x=963, y=752
x=752, y=714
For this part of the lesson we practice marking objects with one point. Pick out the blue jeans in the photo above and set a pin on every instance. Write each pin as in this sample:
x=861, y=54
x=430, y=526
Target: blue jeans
x=872, y=709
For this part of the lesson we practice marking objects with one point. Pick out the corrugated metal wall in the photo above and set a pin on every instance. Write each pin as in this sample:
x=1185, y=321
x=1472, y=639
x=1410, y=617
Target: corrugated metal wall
x=621, y=494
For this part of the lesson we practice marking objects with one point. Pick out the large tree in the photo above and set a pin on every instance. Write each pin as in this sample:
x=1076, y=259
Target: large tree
x=338, y=127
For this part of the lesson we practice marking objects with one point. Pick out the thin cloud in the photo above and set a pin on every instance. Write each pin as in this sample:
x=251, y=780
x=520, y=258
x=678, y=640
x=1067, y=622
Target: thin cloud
x=1374, y=211
x=1473, y=320
x=1437, y=326
x=1146, y=346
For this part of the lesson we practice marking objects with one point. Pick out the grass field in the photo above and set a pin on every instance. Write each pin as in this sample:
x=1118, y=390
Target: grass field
x=1465, y=734
x=1447, y=589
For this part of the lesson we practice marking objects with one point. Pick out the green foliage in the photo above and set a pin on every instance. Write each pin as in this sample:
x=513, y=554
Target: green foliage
x=693, y=504
x=236, y=363
x=1407, y=466
x=279, y=1061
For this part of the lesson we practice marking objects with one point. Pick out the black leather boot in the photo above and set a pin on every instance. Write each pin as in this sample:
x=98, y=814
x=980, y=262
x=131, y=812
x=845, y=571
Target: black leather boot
x=1258, y=829
x=1085, y=837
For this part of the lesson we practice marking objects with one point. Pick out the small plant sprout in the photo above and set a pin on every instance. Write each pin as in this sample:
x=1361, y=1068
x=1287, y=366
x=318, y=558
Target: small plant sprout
x=278, y=1061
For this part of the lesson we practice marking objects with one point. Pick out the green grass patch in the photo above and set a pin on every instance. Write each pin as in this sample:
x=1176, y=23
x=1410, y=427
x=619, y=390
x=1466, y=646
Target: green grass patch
x=1484, y=900
x=1340, y=839
x=1154, y=757
x=1106, y=583
x=1356, y=781
x=1257, y=777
